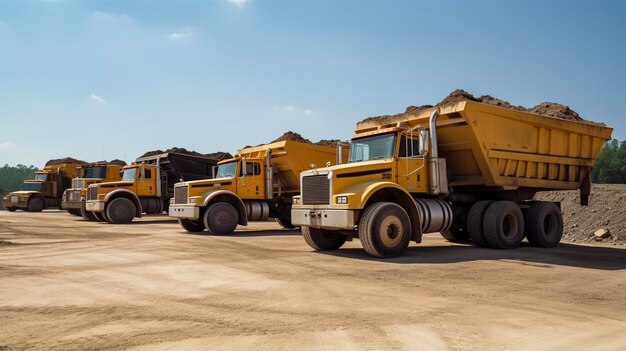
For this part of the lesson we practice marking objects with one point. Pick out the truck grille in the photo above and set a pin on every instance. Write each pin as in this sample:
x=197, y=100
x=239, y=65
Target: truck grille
x=316, y=190
x=92, y=193
x=180, y=194
x=72, y=195
x=78, y=183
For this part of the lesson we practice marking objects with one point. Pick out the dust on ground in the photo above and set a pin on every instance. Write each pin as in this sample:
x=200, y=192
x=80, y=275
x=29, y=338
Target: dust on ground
x=68, y=284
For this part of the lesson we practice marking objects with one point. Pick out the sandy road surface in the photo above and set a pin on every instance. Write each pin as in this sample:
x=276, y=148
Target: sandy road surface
x=68, y=284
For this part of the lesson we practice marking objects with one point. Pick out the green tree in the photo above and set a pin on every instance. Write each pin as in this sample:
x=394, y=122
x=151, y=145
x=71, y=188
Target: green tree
x=12, y=177
x=611, y=164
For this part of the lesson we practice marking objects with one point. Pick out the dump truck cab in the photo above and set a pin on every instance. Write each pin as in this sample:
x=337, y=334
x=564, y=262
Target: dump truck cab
x=75, y=197
x=146, y=186
x=256, y=184
x=44, y=191
x=466, y=170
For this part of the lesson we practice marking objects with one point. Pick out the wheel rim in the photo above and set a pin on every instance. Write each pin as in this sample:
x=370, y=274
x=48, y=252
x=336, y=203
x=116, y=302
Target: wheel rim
x=222, y=219
x=122, y=211
x=391, y=231
x=510, y=226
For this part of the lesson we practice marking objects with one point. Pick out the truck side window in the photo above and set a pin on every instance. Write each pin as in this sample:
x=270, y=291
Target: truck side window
x=147, y=173
x=253, y=168
x=413, y=147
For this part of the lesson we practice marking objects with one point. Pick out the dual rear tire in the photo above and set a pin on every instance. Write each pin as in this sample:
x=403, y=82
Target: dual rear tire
x=501, y=224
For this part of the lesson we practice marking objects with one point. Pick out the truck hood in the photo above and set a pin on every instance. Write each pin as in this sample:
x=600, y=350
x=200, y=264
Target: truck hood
x=113, y=184
x=23, y=192
x=207, y=181
x=352, y=167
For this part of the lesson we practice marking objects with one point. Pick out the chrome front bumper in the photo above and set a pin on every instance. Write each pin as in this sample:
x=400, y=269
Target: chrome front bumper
x=184, y=211
x=327, y=219
x=94, y=206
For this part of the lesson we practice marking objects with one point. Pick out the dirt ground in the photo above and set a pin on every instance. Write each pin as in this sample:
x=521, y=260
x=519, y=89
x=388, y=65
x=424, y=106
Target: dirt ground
x=68, y=284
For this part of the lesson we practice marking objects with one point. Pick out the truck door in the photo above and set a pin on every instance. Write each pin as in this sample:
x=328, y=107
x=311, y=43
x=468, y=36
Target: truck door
x=146, y=183
x=250, y=183
x=412, y=171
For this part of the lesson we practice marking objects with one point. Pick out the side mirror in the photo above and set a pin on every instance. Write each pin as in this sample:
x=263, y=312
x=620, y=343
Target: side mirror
x=423, y=147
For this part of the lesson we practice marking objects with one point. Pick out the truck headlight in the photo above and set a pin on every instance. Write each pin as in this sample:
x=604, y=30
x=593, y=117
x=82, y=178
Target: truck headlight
x=192, y=200
x=296, y=201
x=342, y=200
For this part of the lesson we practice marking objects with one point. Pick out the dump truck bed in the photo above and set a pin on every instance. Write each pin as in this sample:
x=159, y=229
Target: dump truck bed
x=181, y=166
x=489, y=146
x=70, y=170
x=289, y=158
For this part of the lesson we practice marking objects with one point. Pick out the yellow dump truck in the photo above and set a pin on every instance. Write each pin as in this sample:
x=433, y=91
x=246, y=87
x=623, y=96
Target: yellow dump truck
x=257, y=184
x=146, y=186
x=98, y=172
x=467, y=170
x=45, y=190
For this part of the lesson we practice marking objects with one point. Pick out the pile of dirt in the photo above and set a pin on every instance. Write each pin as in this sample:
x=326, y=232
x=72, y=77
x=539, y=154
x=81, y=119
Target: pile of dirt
x=293, y=136
x=117, y=162
x=606, y=210
x=60, y=161
x=180, y=150
x=550, y=109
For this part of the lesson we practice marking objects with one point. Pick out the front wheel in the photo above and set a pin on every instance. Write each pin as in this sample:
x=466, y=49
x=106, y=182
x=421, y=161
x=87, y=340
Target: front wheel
x=35, y=205
x=120, y=211
x=11, y=209
x=285, y=223
x=322, y=239
x=99, y=216
x=385, y=230
x=221, y=218
x=73, y=211
x=191, y=225
x=87, y=214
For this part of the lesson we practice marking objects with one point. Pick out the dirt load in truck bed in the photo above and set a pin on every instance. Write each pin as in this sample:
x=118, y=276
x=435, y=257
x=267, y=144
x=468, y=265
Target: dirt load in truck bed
x=60, y=161
x=219, y=155
x=550, y=109
x=293, y=136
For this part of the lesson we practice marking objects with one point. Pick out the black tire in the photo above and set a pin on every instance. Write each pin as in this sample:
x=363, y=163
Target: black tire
x=503, y=225
x=221, y=218
x=322, y=239
x=73, y=211
x=99, y=216
x=458, y=231
x=544, y=224
x=191, y=225
x=86, y=214
x=35, y=205
x=475, y=218
x=120, y=211
x=285, y=223
x=11, y=209
x=385, y=230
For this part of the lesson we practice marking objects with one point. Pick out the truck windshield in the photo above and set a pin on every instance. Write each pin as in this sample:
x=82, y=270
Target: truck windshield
x=226, y=170
x=42, y=177
x=95, y=172
x=31, y=186
x=129, y=173
x=372, y=147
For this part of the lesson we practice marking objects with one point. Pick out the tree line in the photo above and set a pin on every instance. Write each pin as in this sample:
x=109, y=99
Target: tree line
x=611, y=164
x=11, y=177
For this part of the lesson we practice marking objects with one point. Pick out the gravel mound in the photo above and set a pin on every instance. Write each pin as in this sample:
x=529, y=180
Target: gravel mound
x=292, y=136
x=180, y=150
x=550, y=109
x=117, y=162
x=607, y=209
x=60, y=161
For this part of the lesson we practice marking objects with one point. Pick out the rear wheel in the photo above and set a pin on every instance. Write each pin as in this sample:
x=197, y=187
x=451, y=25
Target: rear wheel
x=385, y=229
x=87, y=214
x=221, y=218
x=544, y=224
x=285, y=223
x=503, y=225
x=322, y=239
x=11, y=209
x=191, y=225
x=120, y=211
x=35, y=205
x=475, y=218
x=99, y=216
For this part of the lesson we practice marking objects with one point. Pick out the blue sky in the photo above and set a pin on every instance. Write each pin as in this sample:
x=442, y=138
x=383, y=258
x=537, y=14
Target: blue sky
x=102, y=80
